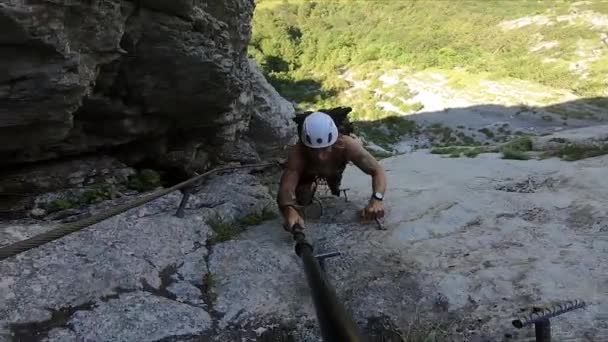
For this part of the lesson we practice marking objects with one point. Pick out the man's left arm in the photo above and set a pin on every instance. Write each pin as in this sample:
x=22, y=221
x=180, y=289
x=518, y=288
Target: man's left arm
x=368, y=164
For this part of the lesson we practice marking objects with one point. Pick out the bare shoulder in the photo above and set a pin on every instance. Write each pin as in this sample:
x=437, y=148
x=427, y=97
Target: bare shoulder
x=359, y=156
x=354, y=148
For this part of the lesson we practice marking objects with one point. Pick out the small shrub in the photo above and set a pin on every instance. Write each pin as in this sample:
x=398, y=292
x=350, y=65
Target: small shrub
x=522, y=144
x=445, y=150
x=547, y=118
x=223, y=229
x=387, y=131
x=456, y=151
x=573, y=152
x=98, y=194
x=509, y=153
x=258, y=217
x=61, y=204
x=472, y=153
x=208, y=284
x=144, y=180
x=444, y=132
x=487, y=132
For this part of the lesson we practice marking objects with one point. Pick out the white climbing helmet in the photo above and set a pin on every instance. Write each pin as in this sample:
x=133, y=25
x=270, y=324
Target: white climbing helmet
x=319, y=130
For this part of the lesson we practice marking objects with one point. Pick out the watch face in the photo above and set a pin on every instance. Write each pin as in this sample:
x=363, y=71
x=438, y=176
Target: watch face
x=378, y=195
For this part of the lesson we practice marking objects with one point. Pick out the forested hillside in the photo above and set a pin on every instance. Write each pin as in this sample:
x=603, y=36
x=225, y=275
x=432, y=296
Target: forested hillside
x=341, y=52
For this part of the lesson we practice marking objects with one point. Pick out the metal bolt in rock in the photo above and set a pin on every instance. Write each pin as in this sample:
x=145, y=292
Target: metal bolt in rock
x=540, y=319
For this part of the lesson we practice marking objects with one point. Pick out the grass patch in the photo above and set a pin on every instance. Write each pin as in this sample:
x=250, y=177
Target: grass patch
x=573, y=152
x=226, y=230
x=517, y=149
x=487, y=132
x=467, y=140
x=208, y=284
x=458, y=151
x=379, y=154
x=410, y=107
x=386, y=132
x=98, y=194
x=514, y=154
x=444, y=133
x=61, y=204
x=523, y=144
x=144, y=180
x=93, y=195
x=256, y=218
x=223, y=229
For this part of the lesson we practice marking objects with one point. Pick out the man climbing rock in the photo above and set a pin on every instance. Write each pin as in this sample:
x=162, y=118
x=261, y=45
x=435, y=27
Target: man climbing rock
x=323, y=152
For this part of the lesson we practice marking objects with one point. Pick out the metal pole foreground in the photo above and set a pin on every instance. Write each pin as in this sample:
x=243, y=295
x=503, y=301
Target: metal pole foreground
x=540, y=319
x=335, y=323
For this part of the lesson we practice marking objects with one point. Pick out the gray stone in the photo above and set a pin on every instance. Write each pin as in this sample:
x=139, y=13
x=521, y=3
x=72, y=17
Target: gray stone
x=139, y=249
x=257, y=281
x=50, y=56
x=234, y=196
x=83, y=76
x=443, y=262
x=272, y=127
x=470, y=259
x=586, y=137
x=194, y=267
x=187, y=293
x=159, y=83
x=137, y=316
x=69, y=281
x=64, y=174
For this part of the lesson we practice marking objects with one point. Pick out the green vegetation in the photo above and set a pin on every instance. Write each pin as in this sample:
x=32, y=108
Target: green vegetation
x=572, y=152
x=208, y=284
x=514, y=154
x=98, y=194
x=458, y=151
x=225, y=229
x=304, y=46
x=61, y=204
x=487, y=132
x=386, y=131
x=256, y=218
x=379, y=154
x=144, y=180
x=517, y=149
x=95, y=194
x=357, y=53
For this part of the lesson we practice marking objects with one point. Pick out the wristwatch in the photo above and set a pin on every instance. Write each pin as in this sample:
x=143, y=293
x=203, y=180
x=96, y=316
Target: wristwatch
x=377, y=195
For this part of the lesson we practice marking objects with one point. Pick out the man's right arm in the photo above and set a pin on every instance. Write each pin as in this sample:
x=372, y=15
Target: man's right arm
x=286, y=197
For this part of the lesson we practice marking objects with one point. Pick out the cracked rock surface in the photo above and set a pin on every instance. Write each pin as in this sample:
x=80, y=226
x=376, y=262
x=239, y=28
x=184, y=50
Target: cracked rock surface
x=470, y=244
x=136, y=276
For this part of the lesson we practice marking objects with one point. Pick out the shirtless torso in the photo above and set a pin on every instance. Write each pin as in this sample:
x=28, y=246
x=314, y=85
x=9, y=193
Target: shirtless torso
x=305, y=166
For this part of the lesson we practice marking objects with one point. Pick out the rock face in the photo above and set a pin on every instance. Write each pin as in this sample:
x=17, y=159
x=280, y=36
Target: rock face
x=271, y=125
x=586, y=137
x=80, y=77
x=470, y=244
x=144, y=269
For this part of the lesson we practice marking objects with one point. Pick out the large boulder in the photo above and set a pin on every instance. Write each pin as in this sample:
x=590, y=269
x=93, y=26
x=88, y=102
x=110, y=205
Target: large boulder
x=157, y=84
x=271, y=126
x=77, y=77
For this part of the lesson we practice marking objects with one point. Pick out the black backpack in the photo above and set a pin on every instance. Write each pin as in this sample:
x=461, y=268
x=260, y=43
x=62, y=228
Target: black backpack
x=339, y=114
